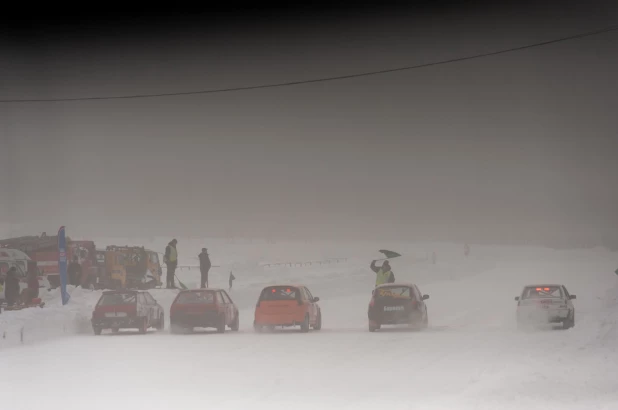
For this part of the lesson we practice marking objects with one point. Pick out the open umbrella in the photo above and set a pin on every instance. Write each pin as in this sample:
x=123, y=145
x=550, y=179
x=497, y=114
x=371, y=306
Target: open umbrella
x=388, y=254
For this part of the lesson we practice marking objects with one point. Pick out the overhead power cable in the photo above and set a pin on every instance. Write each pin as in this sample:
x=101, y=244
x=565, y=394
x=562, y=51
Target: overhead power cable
x=323, y=79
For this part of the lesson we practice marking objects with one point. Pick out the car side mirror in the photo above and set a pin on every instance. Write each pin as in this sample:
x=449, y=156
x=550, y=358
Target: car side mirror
x=573, y=297
x=425, y=297
x=316, y=299
x=517, y=298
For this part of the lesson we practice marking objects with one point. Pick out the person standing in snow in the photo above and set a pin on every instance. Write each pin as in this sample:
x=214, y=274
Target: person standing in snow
x=171, y=260
x=231, y=280
x=32, y=291
x=11, y=287
x=384, y=274
x=74, y=271
x=205, y=266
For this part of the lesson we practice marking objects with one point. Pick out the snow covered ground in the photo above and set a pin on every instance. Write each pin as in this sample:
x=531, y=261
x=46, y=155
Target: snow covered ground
x=471, y=357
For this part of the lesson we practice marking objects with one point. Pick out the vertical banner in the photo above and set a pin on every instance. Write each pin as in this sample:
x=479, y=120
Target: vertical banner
x=62, y=265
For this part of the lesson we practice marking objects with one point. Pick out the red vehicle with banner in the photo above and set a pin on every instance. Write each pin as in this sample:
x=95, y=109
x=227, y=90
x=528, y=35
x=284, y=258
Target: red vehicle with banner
x=44, y=250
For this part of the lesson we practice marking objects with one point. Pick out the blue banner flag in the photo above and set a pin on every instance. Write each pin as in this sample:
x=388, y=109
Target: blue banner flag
x=62, y=265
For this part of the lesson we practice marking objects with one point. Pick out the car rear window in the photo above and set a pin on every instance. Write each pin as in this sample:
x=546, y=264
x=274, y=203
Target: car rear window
x=117, y=299
x=395, y=292
x=538, y=292
x=196, y=297
x=280, y=293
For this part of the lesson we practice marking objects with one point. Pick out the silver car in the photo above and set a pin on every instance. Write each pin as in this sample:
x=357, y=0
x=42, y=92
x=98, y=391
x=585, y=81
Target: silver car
x=545, y=304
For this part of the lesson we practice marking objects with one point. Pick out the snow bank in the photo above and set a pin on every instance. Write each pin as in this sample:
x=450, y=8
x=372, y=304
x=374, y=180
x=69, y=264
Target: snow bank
x=33, y=325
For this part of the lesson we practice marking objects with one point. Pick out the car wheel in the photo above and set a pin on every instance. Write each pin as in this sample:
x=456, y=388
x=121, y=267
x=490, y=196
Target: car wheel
x=97, y=330
x=569, y=322
x=318, y=321
x=221, y=325
x=257, y=328
x=373, y=327
x=235, y=324
x=426, y=321
x=161, y=323
x=115, y=330
x=176, y=329
x=304, y=327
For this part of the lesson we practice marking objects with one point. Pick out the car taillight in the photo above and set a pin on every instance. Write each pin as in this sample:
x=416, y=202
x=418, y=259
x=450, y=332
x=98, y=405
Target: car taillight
x=415, y=304
x=372, y=302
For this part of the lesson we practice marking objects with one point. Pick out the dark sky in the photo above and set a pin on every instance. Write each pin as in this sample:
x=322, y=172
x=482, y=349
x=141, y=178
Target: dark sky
x=515, y=148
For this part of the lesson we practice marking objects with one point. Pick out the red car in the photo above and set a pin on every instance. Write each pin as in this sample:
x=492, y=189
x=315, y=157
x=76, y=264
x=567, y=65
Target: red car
x=203, y=308
x=287, y=305
x=127, y=309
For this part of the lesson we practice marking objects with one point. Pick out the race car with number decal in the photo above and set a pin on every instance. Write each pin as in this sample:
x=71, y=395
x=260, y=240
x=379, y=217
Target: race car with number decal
x=397, y=304
x=545, y=304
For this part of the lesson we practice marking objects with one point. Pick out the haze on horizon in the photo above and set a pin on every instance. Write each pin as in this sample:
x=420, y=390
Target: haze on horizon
x=519, y=148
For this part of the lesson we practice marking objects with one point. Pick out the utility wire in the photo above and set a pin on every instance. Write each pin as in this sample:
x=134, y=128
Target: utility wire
x=325, y=79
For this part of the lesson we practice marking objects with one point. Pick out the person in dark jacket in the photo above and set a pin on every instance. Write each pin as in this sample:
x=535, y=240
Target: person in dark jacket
x=205, y=266
x=231, y=280
x=11, y=287
x=32, y=291
x=384, y=273
x=171, y=260
x=74, y=271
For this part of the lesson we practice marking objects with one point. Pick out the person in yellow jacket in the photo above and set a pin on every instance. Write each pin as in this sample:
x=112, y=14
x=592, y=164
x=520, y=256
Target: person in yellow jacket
x=171, y=260
x=384, y=273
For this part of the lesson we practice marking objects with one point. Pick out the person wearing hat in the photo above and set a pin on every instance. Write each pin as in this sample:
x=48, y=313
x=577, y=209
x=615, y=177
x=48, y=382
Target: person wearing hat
x=171, y=260
x=204, y=267
x=384, y=273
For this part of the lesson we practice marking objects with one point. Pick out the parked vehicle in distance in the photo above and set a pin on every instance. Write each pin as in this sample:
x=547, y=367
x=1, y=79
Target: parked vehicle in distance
x=132, y=267
x=286, y=306
x=545, y=304
x=397, y=304
x=208, y=308
x=127, y=309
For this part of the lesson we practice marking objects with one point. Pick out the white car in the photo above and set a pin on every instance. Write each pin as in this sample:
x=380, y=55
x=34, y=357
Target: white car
x=545, y=304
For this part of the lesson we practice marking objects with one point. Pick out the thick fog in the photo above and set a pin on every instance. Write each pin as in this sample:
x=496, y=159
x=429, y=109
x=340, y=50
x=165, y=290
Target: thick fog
x=519, y=148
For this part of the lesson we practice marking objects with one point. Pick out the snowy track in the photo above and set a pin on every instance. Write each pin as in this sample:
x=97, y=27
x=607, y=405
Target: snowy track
x=471, y=357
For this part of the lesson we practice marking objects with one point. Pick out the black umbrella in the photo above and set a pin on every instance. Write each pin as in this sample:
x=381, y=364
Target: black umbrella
x=389, y=254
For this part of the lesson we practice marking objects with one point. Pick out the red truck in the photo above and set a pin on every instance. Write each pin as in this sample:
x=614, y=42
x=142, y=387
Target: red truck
x=44, y=250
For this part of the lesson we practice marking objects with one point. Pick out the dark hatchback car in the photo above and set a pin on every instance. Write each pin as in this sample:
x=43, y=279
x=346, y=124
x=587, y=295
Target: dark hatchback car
x=397, y=304
x=127, y=309
x=203, y=308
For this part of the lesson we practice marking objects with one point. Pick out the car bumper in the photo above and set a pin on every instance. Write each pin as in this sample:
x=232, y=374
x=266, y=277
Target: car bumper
x=117, y=322
x=535, y=315
x=403, y=318
x=279, y=320
x=209, y=319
